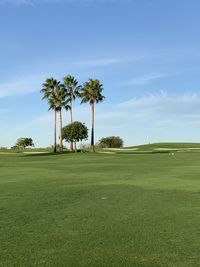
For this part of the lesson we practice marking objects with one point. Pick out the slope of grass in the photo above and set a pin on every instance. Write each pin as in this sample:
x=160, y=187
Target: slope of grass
x=100, y=210
x=11, y=150
x=150, y=147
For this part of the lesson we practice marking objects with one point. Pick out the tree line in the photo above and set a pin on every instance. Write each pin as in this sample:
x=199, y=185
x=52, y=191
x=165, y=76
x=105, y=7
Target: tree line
x=61, y=95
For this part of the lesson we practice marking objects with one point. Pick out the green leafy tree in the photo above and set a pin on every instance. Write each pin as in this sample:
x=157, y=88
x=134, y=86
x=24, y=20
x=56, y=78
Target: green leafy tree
x=111, y=142
x=75, y=132
x=24, y=142
x=91, y=92
x=73, y=91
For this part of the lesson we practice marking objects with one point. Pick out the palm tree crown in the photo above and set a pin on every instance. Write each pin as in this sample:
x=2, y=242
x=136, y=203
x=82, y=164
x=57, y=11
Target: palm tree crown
x=48, y=87
x=54, y=92
x=72, y=91
x=72, y=87
x=58, y=100
x=92, y=92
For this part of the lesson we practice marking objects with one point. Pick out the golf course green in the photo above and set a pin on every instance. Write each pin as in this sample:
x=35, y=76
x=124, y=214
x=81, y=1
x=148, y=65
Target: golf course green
x=100, y=210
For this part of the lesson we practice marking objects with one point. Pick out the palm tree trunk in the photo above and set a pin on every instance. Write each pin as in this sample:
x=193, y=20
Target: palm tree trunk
x=92, y=135
x=71, y=120
x=55, y=144
x=75, y=147
x=61, y=139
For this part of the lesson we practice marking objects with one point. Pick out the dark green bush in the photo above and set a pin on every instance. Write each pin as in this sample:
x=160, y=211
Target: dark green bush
x=111, y=142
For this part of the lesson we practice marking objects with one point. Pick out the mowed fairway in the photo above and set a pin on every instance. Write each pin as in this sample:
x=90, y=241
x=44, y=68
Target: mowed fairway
x=100, y=210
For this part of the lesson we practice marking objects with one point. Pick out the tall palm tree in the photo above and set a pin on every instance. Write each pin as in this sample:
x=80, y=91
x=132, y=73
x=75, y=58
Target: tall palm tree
x=73, y=91
x=57, y=101
x=48, y=87
x=92, y=92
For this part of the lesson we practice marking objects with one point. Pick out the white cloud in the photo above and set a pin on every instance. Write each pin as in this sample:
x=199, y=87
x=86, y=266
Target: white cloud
x=95, y=62
x=34, y=2
x=45, y=119
x=32, y=83
x=142, y=80
x=5, y=110
x=152, y=108
x=165, y=104
x=98, y=62
x=25, y=2
x=155, y=117
x=22, y=86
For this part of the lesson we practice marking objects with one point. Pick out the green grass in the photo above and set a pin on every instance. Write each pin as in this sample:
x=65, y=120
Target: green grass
x=100, y=210
x=11, y=150
x=153, y=146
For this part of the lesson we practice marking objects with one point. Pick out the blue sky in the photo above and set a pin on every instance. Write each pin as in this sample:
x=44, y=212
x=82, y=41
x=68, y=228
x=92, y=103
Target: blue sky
x=145, y=52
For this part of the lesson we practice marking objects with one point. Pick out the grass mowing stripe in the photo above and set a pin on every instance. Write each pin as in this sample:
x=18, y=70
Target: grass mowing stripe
x=100, y=210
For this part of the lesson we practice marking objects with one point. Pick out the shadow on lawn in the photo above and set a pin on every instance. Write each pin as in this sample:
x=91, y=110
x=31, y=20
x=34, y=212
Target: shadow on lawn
x=46, y=154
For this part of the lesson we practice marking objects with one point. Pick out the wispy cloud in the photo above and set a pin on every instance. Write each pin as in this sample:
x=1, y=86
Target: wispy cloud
x=98, y=62
x=23, y=86
x=164, y=109
x=16, y=2
x=142, y=80
x=157, y=117
x=5, y=110
x=26, y=2
x=34, y=2
x=154, y=111
x=106, y=61
x=32, y=82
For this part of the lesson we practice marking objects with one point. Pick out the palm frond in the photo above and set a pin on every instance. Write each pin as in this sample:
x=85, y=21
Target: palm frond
x=92, y=92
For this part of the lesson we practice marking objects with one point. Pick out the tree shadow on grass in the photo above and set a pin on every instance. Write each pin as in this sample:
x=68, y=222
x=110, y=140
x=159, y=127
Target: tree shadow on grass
x=48, y=154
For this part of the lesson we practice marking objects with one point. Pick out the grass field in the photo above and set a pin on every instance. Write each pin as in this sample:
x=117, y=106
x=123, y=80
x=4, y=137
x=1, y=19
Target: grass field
x=176, y=146
x=100, y=210
x=10, y=150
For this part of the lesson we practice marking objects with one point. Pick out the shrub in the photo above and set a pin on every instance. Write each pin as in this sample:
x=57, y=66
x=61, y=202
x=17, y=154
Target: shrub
x=111, y=142
x=75, y=132
x=24, y=142
x=84, y=147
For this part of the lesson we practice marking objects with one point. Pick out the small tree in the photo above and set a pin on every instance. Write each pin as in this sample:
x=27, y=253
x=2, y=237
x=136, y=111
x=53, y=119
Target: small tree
x=75, y=132
x=111, y=142
x=24, y=142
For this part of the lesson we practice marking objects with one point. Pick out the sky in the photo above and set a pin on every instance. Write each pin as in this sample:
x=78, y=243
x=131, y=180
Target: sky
x=146, y=53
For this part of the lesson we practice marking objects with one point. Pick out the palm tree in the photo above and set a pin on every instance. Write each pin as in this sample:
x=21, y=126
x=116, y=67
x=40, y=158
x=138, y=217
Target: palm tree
x=92, y=92
x=48, y=87
x=57, y=101
x=72, y=89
